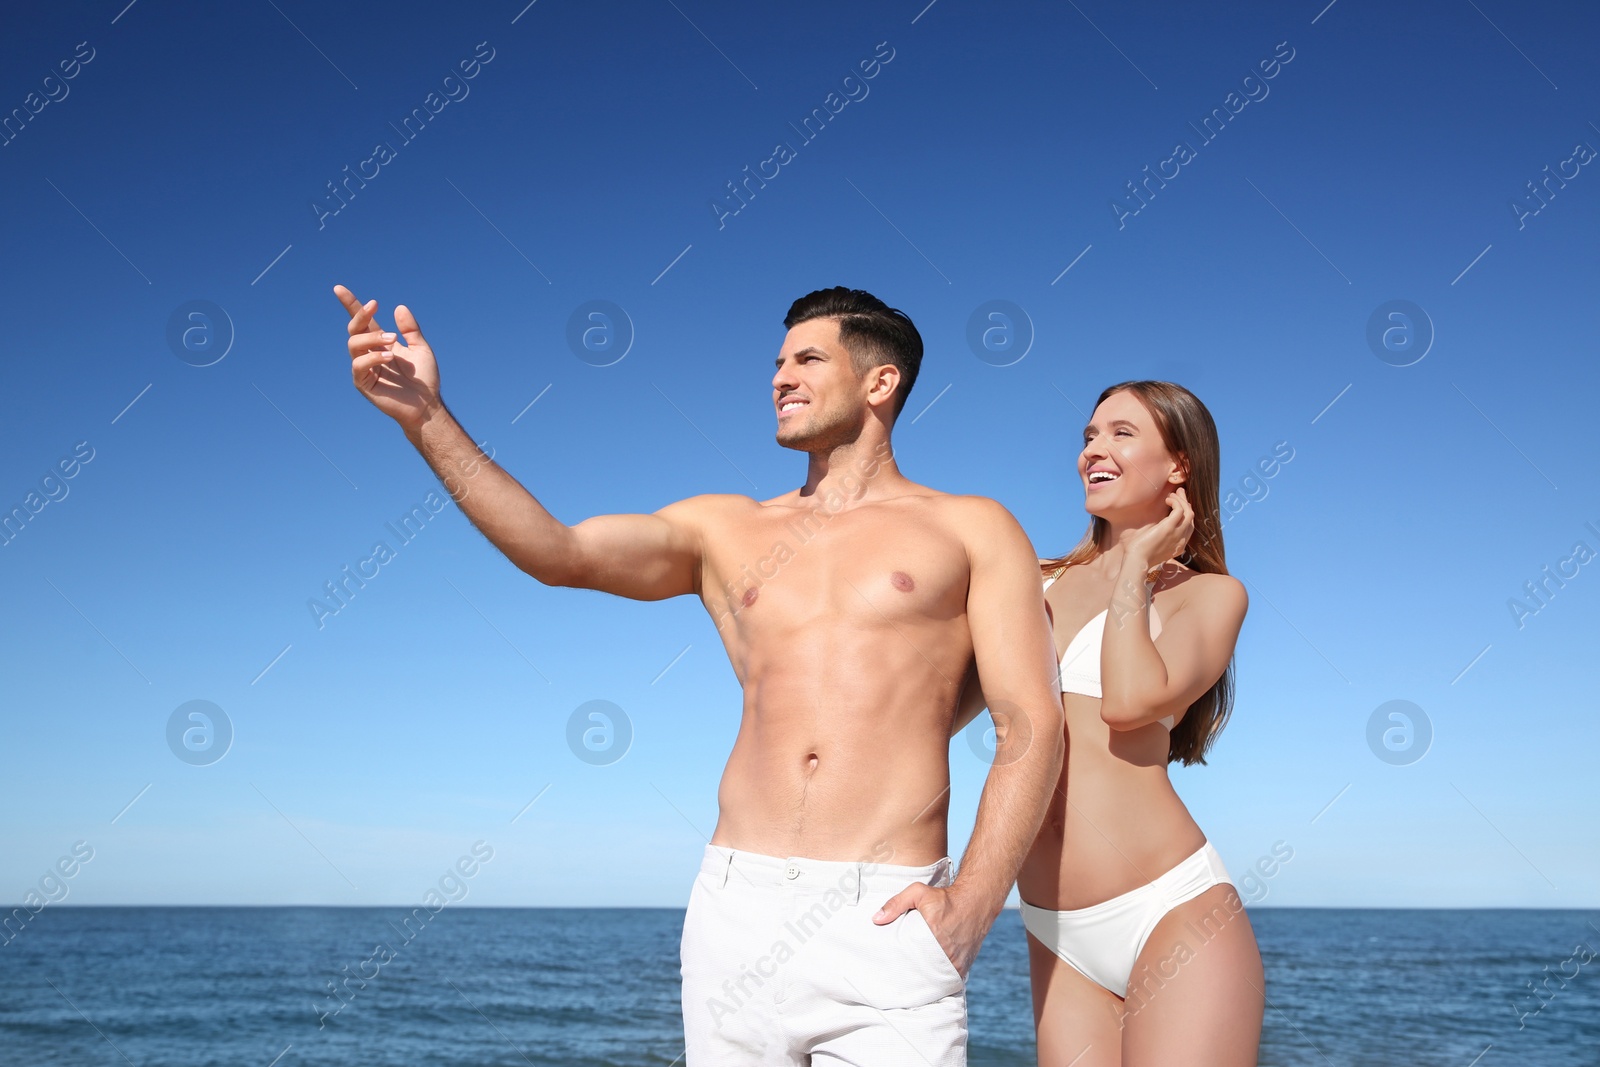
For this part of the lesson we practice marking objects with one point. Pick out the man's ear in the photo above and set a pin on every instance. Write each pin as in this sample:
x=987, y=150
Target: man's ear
x=885, y=379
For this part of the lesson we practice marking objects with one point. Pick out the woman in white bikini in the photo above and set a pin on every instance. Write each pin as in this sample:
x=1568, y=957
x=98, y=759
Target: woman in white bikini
x=1140, y=950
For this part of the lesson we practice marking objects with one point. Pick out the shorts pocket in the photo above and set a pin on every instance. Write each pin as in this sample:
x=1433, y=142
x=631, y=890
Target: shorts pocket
x=919, y=932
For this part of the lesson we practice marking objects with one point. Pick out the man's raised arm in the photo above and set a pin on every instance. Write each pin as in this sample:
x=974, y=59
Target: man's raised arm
x=644, y=557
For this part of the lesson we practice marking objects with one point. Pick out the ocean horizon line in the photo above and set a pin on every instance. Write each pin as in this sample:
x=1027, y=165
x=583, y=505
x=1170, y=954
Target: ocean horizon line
x=670, y=907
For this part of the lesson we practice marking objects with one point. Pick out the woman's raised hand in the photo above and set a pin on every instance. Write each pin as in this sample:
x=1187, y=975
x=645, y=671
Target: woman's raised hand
x=1163, y=540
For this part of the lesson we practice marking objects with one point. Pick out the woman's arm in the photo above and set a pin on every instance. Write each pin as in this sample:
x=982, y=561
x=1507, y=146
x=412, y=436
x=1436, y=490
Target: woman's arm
x=1144, y=680
x=1141, y=680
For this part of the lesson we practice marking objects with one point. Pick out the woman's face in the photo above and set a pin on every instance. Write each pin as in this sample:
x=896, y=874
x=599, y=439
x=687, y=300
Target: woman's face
x=1125, y=466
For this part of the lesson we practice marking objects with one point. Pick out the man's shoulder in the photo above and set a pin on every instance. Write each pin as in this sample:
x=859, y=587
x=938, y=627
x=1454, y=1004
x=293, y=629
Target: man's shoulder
x=970, y=507
x=978, y=522
x=704, y=506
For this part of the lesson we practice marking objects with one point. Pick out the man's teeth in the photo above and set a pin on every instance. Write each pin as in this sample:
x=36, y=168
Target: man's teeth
x=790, y=405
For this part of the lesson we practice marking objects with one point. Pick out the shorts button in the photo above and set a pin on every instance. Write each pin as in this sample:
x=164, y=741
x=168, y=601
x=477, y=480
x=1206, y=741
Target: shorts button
x=791, y=871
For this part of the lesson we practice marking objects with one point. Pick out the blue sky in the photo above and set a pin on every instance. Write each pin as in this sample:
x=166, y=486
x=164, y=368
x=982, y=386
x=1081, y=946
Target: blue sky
x=582, y=161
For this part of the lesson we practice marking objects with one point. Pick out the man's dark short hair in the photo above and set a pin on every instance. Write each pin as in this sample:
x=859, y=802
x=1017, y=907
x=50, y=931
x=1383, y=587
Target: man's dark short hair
x=870, y=330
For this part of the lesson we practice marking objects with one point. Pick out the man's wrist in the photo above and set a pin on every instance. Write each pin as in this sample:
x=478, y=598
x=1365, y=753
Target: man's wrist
x=975, y=902
x=433, y=413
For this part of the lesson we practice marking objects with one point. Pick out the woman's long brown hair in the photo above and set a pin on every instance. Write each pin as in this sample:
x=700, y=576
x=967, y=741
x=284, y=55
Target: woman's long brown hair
x=1189, y=433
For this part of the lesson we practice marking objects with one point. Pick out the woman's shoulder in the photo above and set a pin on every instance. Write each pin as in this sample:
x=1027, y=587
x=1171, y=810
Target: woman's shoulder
x=1212, y=592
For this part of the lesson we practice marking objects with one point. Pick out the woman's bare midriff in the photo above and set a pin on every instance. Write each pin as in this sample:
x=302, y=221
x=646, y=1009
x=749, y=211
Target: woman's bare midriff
x=1125, y=825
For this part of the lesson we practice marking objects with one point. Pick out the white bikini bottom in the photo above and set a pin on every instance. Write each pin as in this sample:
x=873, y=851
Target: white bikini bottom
x=1103, y=940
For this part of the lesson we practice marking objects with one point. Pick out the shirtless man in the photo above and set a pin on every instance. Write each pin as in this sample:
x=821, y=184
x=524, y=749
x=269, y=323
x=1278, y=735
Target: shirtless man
x=856, y=611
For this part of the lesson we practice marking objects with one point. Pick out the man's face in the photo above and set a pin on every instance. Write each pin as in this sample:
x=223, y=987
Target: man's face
x=819, y=398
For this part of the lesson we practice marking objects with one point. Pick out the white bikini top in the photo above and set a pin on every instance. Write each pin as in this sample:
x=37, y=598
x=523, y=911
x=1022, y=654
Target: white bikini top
x=1080, y=663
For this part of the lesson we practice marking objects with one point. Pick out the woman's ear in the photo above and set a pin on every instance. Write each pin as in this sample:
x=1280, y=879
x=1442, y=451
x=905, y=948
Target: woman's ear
x=1180, y=476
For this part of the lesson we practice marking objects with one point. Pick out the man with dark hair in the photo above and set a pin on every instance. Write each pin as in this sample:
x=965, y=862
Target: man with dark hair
x=827, y=923
x=872, y=332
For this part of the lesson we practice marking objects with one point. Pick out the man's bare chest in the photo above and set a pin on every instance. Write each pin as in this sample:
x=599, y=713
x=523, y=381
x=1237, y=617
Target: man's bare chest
x=791, y=567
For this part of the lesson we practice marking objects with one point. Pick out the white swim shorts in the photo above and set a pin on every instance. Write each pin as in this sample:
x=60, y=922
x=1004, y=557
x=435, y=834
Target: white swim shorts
x=782, y=964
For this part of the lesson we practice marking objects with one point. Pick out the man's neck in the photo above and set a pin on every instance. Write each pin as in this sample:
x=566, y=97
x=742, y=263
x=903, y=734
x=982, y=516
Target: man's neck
x=858, y=470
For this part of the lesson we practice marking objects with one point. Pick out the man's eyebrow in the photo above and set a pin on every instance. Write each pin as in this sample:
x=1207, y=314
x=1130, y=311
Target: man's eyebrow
x=812, y=349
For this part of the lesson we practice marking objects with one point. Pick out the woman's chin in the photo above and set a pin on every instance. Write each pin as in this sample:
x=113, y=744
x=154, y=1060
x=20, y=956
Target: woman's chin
x=1096, y=505
x=1125, y=512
